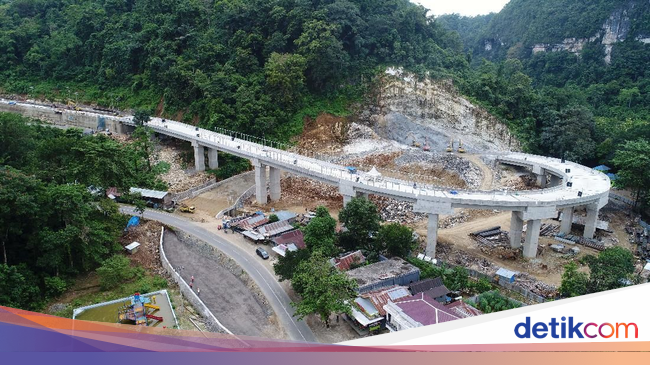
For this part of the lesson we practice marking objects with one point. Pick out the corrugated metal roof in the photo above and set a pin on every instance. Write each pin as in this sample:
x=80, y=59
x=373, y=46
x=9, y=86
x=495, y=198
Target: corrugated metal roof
x=276, y=228
x=285, y=215
x=345, y=262
x=146, y=193
x=424, y=285
x=506, y=273
x=296, y=237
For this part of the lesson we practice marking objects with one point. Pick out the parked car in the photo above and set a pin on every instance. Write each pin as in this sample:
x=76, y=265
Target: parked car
x=262, y=253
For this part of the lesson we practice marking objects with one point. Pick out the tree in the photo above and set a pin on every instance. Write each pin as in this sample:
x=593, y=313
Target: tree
x=286, y=266
x=273, y=218
x=633, y=161
x=361, y=219
x=396, y=239
x=493, y=301
x=324, y=290
x=574, y=283
x=143, y=145
x=569, y=134
x=141, y=117
x=610, y=270
x=18, y=287
x=115, y=271
x=285, y=77
x=320, y=233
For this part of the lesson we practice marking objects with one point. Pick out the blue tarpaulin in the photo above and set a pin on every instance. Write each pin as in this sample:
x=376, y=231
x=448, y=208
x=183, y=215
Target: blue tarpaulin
x=602, y=168
x=612, y=177
x=134, y=221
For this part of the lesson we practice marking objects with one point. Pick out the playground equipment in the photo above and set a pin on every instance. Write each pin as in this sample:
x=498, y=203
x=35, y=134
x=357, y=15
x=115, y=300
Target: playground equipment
x=140, y=311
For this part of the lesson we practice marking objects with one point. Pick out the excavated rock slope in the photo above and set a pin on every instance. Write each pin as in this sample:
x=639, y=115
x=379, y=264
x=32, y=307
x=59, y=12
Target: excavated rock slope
x=432, y=111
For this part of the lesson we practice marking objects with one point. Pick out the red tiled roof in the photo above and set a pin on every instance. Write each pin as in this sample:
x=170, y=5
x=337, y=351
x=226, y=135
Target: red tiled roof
x=296, y=237
x=425, y=310
x=382, y=297
x=463, y=309
x=345, y=262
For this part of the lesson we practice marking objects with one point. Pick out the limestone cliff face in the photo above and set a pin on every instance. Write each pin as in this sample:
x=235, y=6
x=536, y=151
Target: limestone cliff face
x=615, y=29
x=432, y=111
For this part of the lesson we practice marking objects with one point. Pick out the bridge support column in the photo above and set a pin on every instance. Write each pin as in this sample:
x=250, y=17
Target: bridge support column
x=199, y=157
x=567, y=220
x=213, y=158
x=274, y=183
x=432, y=235
x=555, y=181
x=346, y=200
x=260, y=182
x=532, y=238
x=516, y=230
x=590, y=222
x=541, y=175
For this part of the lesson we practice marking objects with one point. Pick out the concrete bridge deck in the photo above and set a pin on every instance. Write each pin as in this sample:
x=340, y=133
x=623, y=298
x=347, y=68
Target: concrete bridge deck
x=572, y=185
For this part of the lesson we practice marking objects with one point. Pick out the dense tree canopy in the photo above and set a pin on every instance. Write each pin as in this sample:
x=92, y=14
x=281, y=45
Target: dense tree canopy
x=239, y=64
x=51, y=226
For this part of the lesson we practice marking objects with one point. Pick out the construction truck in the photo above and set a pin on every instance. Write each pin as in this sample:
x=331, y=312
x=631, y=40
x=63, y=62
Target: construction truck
x=186, y=209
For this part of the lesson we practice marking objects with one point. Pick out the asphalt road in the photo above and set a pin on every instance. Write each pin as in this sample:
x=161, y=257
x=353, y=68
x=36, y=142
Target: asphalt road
x=279, y=300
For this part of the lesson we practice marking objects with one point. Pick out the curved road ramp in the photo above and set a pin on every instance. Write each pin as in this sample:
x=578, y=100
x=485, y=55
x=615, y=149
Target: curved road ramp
x=571, y=185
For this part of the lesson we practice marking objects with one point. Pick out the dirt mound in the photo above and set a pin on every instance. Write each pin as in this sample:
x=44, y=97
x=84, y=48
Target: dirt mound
x=325, y=134
x=148, y=255
x=310, y=193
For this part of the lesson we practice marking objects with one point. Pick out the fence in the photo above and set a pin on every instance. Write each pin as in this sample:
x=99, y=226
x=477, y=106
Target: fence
x=185, y=289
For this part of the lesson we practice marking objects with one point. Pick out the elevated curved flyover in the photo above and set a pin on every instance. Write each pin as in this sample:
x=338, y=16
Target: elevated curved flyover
x=574, y=185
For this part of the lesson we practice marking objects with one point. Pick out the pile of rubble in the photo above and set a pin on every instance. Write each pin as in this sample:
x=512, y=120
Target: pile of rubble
x=177, y=178
x=533, y=285
x=148, y=255
x=466, y=170
x=303, y=190
x=453, y=220
x=519, y=183
x=392, y=210
x=359, y=131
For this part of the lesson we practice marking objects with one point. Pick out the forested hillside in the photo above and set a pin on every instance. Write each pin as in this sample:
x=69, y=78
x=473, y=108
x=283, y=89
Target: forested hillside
x=52, y=227
x=572, y=76
x=247, y=65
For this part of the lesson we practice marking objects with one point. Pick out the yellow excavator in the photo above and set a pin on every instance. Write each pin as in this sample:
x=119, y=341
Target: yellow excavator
x=426, y=147
x=186, y=209
x=450, y=146
x=460, y=147
x=73, y=105
x=414, y=142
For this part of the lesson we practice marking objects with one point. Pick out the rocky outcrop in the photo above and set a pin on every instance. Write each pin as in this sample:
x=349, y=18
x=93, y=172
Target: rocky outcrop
x=433, y=112
x=615, y=29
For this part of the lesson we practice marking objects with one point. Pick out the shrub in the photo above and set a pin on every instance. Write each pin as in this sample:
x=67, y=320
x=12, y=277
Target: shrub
x=115, y=271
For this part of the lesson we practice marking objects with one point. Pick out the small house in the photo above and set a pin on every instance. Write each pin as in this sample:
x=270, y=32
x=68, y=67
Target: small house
x=158, y=199
x=382, y=274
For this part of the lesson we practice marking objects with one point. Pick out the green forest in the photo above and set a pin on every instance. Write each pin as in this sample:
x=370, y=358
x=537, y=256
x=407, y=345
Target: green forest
x=52, y=226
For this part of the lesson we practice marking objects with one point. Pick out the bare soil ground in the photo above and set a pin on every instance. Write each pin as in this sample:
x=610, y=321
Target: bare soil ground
x=325, y=135
x=212, y=202
x=239, y=307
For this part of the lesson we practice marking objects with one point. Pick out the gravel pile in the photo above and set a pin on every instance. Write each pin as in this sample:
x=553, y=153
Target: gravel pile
x=392, y=210
x=467, y=171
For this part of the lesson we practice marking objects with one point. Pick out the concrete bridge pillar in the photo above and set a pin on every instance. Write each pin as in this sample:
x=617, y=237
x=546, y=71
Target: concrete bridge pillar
x=532, y=238
x=541, y=175
x=260, y=182
x=346, y=199
x=590, y=222
x=555, y=181
x=567, y=220
x=213, y=158
x=274, y=183
x=199, y=156
x=516, y=230
x=432, y=235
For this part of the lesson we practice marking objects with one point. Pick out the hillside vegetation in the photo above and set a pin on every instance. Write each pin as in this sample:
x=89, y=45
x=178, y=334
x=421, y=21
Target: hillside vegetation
x=246, y=65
